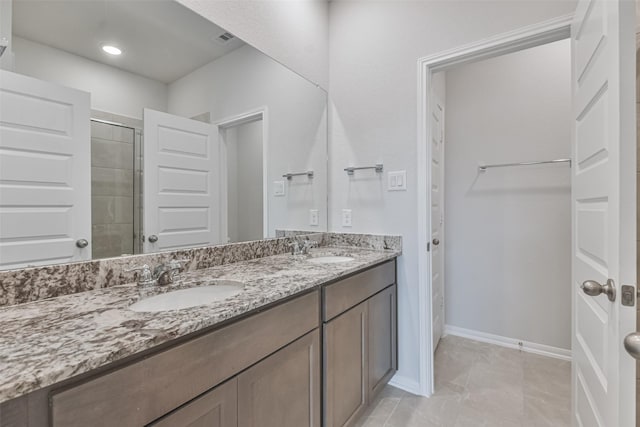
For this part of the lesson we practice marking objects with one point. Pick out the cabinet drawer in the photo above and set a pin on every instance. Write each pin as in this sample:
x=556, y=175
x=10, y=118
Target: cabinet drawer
x=347, y=293
x=146, y=390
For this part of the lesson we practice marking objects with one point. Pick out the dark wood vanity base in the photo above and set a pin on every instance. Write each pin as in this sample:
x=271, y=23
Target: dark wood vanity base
x=315, y=359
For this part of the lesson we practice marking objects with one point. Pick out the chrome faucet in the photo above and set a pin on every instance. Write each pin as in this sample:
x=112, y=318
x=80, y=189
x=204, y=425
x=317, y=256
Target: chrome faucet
x=163, y=274
x=296, y=248
x=302, y=248
x=308, y=244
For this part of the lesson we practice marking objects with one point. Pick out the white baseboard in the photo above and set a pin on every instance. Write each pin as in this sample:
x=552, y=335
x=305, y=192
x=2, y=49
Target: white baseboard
x=405, y=383
x=531, y=347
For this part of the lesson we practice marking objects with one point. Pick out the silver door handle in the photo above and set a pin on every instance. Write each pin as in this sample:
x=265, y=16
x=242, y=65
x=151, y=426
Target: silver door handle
x=436, y=242
x=82, y=243
x=632, y=344
x=593, y=289
x=153, y=238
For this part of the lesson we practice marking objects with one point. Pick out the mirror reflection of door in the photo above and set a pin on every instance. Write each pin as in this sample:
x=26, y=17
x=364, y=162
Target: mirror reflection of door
x=44, y=163
x=181, y=182
x=244, y=165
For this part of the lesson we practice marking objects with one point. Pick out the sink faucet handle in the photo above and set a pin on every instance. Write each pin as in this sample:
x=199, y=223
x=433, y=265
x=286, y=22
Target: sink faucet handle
x=146, y=277
x=176, y=266
x=311, y=243
x=308, y=244
x=295, y=248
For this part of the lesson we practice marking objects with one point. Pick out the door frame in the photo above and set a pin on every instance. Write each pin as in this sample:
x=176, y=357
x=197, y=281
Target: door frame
x=523, y=38
x=443, y=239
x=260, y=113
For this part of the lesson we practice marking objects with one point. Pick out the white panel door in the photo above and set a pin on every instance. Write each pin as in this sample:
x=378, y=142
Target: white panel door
x=45, y=172
x=603, y=210
x=437, y=210
x=181, y=194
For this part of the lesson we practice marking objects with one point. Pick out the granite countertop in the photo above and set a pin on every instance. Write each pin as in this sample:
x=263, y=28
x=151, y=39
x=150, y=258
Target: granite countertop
x=47, y=341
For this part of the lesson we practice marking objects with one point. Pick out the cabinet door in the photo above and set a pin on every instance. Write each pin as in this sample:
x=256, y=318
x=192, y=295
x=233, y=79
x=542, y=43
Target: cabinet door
x=284, y=389
x=216, y=408
x=345, y=373
x=381, y=313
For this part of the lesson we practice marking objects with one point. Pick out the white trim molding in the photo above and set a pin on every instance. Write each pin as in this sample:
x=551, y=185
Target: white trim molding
x=523, y=38
x=527, y=37
x=407, y=384
x=518, y=344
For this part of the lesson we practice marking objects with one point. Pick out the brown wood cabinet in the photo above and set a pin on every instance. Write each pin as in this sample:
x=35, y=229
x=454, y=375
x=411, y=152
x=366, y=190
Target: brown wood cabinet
x=264, y=370
x=381, y=313
x=345, y=356
x=141, y=392
x=360, y=344
x=216, y=408
x=284, y=389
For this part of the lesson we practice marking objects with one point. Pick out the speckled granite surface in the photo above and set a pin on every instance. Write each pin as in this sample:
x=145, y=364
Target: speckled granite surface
x=365, y=241
x=33, y=284
x=47, y=341
x=368, y=241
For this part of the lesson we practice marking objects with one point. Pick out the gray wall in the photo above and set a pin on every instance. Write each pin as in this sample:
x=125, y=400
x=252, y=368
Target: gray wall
x=296, y=117
x=294, y=33
x=244, y=181
x=508, y=231
x=374, y=49
x=112, y=90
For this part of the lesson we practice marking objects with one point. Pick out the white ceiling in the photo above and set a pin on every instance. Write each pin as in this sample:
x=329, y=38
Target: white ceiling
x=160, y=39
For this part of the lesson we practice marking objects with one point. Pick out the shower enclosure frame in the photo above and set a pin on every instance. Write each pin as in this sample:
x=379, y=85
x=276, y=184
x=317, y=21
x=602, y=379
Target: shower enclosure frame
x=136, y=126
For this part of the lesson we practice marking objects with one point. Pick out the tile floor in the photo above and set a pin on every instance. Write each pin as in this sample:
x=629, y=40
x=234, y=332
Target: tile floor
x=480, y=384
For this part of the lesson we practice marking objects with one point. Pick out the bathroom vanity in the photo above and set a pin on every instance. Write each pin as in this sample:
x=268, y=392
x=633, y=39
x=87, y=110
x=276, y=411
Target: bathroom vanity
x=253, y=364
x=304, y=344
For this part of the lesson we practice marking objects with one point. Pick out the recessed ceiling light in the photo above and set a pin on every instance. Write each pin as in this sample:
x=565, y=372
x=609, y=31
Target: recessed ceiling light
x=111, y=50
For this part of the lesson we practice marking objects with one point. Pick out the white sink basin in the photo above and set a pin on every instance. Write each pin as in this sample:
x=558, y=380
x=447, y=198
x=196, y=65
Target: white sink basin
x=185, y=298
x=330, y=259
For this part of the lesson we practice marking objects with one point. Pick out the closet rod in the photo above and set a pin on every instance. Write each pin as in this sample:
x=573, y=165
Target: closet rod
x=483, y=168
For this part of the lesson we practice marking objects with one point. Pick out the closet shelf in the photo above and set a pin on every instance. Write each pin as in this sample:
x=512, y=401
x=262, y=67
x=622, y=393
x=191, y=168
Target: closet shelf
x=483, y=168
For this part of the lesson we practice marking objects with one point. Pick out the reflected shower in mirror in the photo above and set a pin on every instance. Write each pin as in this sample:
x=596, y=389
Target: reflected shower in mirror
x=122, y=134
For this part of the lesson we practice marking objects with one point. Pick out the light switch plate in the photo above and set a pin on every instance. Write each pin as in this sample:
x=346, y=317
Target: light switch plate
x=397, y=181
x=313, y=216
x=278, y=188
x=346, y=217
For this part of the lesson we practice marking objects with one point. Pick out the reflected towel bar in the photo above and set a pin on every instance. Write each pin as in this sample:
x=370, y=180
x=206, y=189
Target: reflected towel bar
x=483, y=168
x=109, y=122
x=291, y=175
x=351, y=169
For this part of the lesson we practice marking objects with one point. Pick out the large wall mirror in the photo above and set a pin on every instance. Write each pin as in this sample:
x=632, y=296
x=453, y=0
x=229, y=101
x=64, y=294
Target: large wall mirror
x=136, y=126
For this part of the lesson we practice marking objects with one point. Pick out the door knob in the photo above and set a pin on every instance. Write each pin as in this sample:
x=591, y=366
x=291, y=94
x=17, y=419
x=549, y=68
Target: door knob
x=153, y=238
x=82, y=243
x=632, y=344
x=436, y=242
x=593, y=288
